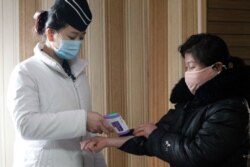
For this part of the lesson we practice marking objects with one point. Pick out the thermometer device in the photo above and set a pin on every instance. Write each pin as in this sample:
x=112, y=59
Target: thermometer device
x=116, y=121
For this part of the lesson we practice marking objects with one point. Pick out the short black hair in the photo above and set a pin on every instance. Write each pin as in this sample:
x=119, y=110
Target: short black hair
x=206, y=48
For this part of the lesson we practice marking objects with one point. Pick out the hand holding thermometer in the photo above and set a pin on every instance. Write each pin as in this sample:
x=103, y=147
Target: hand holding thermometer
x=120, y=126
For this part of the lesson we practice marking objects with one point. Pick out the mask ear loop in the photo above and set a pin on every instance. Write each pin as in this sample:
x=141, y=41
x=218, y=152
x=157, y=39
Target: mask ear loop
x=224, y=66
x=219, y=63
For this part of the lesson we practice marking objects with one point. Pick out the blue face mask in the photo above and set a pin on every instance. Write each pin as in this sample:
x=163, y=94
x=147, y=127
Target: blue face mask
x=69, y=49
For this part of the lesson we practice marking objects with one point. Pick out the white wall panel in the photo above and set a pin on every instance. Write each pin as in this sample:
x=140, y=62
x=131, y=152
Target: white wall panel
x=9, y=56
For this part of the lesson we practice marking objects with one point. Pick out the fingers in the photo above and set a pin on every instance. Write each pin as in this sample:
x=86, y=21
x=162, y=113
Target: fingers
x=140, y=128
x=144, y=130
x=90, y=146
x=95, y=144
x=102, y=127
x=139, y=131
x=84, y=144
x=106, y=128
x=97, y=124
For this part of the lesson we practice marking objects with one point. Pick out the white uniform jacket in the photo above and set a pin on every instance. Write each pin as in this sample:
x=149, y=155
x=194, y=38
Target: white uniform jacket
x=49, y=113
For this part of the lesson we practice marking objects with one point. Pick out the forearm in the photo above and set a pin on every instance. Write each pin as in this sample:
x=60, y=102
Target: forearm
x=117, y=141
x=52, y=126
x=135, y=145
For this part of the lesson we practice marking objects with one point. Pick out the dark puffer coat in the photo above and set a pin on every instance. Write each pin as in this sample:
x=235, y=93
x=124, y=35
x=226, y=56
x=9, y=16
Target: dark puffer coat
x=209, y=129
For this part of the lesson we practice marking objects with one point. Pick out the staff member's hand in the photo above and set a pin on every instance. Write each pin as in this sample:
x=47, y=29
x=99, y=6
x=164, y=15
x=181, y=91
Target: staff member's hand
x=97, y=124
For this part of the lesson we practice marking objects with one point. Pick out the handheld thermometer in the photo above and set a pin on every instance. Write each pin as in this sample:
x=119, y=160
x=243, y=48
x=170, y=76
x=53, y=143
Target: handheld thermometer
x=116, y=121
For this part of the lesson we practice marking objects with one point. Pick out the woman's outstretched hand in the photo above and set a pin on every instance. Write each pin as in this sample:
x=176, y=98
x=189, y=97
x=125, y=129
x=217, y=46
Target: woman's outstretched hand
x=144, y=129
x=97, y=143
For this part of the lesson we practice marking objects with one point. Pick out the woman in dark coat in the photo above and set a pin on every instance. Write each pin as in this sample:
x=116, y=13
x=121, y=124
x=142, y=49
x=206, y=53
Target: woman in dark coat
x=209, y=125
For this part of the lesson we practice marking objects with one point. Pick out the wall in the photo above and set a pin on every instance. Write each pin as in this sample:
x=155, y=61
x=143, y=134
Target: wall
x=231, y=20
x=9, y=56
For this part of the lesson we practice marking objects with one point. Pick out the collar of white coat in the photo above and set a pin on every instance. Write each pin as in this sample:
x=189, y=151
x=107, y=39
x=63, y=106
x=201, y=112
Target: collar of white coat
x=77, y=65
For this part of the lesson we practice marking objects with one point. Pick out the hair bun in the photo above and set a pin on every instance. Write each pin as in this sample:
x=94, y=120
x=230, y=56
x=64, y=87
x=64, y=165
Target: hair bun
x=41, y=19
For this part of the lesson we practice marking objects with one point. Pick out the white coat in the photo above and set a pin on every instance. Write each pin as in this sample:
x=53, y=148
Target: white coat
x=49, y=113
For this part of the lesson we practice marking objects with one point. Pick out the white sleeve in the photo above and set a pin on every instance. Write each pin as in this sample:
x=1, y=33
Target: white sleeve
x=23, y=103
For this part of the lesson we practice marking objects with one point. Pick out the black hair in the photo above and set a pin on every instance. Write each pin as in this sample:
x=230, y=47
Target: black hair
x=48, y=19
x=75, y=13
x=206, y=48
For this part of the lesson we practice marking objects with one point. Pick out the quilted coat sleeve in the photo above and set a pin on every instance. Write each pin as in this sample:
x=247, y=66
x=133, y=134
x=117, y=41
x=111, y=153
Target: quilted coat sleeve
x=138, y=145
x=222, y=132
x=31, y=124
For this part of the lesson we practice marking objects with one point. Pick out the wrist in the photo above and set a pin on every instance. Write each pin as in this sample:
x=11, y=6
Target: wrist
x=110, y=142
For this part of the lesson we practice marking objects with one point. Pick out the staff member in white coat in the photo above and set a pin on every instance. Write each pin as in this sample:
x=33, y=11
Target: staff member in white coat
x=49, y=96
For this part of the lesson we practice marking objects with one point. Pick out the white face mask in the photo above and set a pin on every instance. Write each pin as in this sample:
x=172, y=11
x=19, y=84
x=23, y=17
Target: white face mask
x=194, y=79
